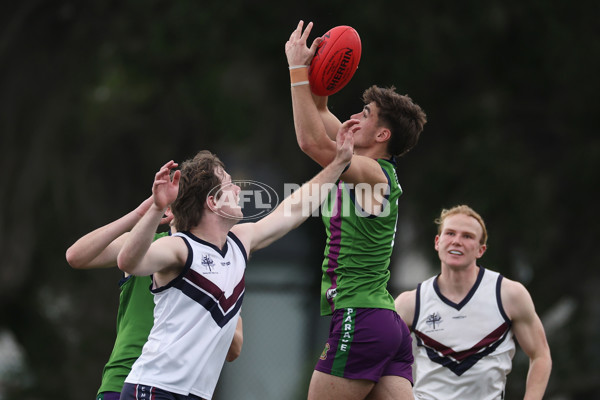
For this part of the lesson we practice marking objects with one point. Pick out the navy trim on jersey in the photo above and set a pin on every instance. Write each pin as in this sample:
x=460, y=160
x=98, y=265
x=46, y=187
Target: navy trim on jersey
x=417, y=306
x=187, y=266
x=499, y=300
x=391, y=160
x=195, y=238
x=124, y=279
x=239, y=243
x=467, y=297
x=211, y=297
x=205, y=292
x=460, y=362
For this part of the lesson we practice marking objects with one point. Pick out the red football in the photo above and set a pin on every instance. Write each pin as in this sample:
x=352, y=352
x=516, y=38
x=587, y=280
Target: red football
x=335, y=60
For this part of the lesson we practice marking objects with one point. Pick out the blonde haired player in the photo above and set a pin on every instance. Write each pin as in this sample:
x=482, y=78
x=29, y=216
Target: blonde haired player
x=464, y=320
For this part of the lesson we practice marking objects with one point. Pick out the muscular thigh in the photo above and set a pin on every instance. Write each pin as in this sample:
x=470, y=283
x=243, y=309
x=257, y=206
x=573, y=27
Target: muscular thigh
x=330, y=387
x=391, y=388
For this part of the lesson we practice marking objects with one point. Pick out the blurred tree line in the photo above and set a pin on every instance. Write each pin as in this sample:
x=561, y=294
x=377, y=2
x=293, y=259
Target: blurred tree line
x=96, y=95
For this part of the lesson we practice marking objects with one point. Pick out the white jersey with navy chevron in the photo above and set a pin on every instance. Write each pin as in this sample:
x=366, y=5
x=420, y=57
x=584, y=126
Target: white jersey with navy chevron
x=195, y=317
x=462, y=351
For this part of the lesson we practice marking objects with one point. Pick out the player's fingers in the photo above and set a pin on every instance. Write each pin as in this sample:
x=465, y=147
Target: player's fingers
x=176, y=177
x=350, y=123
x=168, y=164
x=307, y=32
x=297, y=31
x=315, y=44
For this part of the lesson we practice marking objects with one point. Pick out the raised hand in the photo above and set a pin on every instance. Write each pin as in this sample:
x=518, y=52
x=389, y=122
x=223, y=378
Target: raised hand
x=345, y=140
x=296, y=49
x=165, y=188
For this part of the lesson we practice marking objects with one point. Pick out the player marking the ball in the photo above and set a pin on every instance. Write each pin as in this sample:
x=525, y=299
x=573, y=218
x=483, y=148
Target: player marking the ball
x=368, y=354
x=336, y=60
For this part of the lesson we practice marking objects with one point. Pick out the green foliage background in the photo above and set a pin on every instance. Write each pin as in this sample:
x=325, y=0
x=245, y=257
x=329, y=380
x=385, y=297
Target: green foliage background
x=96, y=95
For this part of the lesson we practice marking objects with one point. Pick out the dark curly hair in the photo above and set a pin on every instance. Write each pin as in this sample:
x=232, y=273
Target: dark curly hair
x=400, y=115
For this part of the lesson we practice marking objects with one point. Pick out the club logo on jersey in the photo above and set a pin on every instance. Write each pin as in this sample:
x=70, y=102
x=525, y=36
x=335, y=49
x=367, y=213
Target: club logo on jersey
x=331, y=293
x=208, y=262
x=324, y=353
x=434, y=320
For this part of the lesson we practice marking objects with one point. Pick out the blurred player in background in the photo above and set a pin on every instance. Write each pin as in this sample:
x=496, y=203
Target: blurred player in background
x=99, y=249
x=368, y=353
x=464, y=319
x=198, y=272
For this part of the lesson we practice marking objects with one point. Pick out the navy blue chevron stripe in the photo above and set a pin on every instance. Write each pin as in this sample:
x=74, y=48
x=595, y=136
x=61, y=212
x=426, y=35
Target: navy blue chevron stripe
x=460, y=367
x=209, y=303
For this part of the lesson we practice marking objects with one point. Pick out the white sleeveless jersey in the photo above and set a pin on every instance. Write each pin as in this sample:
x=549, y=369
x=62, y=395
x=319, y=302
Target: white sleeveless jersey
x=462, y=351
x=195, y=317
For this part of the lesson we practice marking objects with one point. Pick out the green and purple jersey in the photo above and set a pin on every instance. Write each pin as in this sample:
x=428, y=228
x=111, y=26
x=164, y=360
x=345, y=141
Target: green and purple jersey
x=359, y=246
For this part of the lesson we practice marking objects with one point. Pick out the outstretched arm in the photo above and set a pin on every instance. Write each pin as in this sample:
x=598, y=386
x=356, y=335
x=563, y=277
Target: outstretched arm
x=135, y=257
x=99, y=248
x=301, y=204
x=530, y=335
x=316, y=127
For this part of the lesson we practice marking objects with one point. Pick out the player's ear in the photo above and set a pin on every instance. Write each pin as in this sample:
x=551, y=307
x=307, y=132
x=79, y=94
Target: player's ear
x=482, y=250
x=211, y=203
x=383, y=135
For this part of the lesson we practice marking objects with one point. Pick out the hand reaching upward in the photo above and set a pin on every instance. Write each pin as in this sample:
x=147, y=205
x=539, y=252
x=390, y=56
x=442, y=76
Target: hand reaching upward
x=165, y=188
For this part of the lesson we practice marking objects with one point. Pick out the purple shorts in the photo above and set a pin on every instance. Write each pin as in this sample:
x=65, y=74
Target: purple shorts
x=142, y=392
x=108, y=396
x=367, y=343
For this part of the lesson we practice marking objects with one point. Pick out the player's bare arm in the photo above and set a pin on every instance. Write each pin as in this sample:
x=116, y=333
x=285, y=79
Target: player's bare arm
x=315, y=125
x=139, y=255
x=236, y=344
x=294, y=209
x=405, y=306
x=99, y=248
x=529, y=333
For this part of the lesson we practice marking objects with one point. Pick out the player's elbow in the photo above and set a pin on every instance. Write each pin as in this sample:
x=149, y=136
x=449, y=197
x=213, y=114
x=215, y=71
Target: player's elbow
x=124, y=263
x=73, y=259
x=318, y=152
x=547, y=357
x=307, y=145
x=235, y=350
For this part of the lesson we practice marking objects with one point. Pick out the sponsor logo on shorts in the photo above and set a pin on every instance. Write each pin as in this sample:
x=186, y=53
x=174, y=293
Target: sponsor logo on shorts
x=347, y=330
x=324, y=353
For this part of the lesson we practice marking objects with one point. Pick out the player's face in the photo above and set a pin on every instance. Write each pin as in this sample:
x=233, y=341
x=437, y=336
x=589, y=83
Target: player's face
x=369, y=121
x=458, y=243
x=227, y=204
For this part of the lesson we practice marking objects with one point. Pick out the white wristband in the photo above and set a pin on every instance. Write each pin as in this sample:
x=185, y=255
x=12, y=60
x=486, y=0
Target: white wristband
x=297, y=66
x=299, y=83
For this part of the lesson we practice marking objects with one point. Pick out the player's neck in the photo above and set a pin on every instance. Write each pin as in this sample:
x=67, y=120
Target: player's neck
x=456, y=283
x=373, y=152
x=213, y=230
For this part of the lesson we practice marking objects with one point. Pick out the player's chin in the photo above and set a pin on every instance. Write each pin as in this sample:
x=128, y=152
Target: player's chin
x=235, y=214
